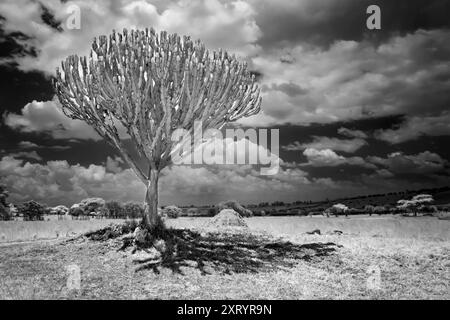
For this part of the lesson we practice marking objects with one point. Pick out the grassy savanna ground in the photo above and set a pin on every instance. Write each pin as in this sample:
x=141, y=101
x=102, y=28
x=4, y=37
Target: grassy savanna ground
x=412, y=257
x=12, y=231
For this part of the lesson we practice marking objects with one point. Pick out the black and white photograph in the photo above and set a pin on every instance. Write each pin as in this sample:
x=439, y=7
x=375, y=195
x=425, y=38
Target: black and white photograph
x=248, y=150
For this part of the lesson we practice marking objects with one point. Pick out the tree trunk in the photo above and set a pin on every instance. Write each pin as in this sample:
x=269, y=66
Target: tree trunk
x=151, y=199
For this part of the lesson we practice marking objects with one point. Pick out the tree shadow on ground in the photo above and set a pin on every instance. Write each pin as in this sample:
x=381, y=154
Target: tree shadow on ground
x=228, y=253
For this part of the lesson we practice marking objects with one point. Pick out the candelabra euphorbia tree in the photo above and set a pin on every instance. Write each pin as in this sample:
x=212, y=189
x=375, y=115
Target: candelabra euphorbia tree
x=152, y=84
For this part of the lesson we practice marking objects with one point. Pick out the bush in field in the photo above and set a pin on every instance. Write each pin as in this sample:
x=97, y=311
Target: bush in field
x=114, y=209
x=395, y=210
x=32, y=211
x=76, y=210
x=3, y=195
x=415, y=203
x=13, y=210
x=211, y=212
x=133, y=210
x=59, y=210
x=337, y=209
x=300, y=212
x=232, y=204
x=90, y=205
x=428, y=210
x=172, y=211
x=379, y=210
x=369, y=209
x=354, y=211
x=5, y=213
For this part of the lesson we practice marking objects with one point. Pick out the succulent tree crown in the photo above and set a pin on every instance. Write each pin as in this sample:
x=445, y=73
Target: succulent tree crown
x=152, y=84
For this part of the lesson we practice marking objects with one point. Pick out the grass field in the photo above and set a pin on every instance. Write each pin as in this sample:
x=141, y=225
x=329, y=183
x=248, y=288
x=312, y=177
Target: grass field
x=12, y=231
x=377, y=226
x=374, y=258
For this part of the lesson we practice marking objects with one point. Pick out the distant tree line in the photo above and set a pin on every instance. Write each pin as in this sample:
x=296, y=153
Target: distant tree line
x=99, y=208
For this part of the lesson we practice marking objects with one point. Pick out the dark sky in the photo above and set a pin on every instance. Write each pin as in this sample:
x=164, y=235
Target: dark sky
x=359, y=111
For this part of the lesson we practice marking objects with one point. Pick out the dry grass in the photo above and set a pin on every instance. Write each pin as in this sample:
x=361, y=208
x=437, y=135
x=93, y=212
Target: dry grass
x=12, y=231
x=410, y=268
x=382, y=226
x=411, y=254
x=377, y=226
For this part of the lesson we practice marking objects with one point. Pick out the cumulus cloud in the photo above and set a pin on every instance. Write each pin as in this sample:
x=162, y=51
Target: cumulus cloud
x=314, y=68
x=322, y=22
x=319, y=143
x=383, y=173
x=349, y=78
x=352, y=80
x=32, y=145
x=38, y=116
x=395, y=163
x=26, y=155
x=352, y=133
x=415, y=127
x=291, y=89
x=114, y=164
x=58, y=182
x=27, y=145
x=228, y=25
x=227, y=150
x=329, y=158
x=422, y=163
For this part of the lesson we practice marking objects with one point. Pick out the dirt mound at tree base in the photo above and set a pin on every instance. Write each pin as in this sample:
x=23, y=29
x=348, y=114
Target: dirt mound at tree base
x=226, y=219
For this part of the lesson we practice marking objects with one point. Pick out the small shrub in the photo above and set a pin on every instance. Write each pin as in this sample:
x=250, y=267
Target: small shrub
x=369, y=209
x=5, y=213
x=355, y=211
x=337, y=209
x=172, y=212
x=59, y=210
x=428, y=209
x=92, y=205
x=76, y=210
x=3, y=195
x=379, y=210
